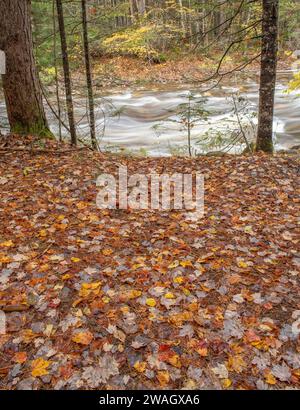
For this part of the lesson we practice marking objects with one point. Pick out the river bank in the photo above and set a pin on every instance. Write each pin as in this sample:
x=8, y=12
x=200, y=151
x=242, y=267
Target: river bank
x=115, y=72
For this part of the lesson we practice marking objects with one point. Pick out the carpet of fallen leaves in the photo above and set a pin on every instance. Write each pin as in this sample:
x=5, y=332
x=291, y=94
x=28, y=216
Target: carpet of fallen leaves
x=147, y=299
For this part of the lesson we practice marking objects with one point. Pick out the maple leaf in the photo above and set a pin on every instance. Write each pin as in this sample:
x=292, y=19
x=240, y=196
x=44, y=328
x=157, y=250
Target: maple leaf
x=140, y=366
x=194, y=372
x=101, y=372
x=270, y=379
x=107, y=251
x=179, y=280
x=163, y=377
x=20, y=357
x=174, y=360
x=221, y=371
x=281, y=372
x=83, y=338
x=88, y=289
x=185, y=263
x=132, y=294
x=186, y=330
x=169, y=295
x=40, y=367
x=226, y=383
x=151, y=302
x=7, y=244
x=236, y=363
x=242, y=264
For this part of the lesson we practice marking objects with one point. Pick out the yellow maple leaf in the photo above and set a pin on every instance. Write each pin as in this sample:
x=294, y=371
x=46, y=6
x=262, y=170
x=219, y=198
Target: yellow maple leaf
x=169, y=295
x=44, y=267
x=81, y=205
x=179, y=280
x=75, y=260
x=107, y=251
x=4, y=258
x=186, y=263
x=242, y=264
x=179, y=318
x=226, y=383
x=236, y=363
x=133, y=294
x=43, y=233
x=83, y=338
x=7, y=244
x=140, y=366
x=174, y=360
x=163, y=377
x=125, y=309
x=270, y=379
x=151, y=302
x=39, y=367
x=89, y=288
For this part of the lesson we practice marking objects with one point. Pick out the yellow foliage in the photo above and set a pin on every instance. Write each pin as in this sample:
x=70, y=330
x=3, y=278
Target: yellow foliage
x=39, y=367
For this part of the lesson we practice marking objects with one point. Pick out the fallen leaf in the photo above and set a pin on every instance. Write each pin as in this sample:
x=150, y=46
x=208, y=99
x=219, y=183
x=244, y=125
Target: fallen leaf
x=40, y=367
x=83, y=338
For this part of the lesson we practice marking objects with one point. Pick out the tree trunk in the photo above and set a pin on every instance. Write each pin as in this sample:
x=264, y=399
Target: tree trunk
x=56, y=71
x=264, y=140
x=22, y=91
x=66, y=68
x=217, y=19
x=88, y=75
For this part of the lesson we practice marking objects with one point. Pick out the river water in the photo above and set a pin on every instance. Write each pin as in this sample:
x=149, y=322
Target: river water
x=126, y=119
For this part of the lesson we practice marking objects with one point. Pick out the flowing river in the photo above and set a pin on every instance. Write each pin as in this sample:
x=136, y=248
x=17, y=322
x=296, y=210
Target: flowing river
x=126, y=119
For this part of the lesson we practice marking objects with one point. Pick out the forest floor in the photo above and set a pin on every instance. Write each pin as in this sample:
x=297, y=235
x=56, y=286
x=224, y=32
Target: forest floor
x=122, y=71
x=129, y=299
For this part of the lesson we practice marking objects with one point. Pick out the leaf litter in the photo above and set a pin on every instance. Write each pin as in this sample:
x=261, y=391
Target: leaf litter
x=143, y=299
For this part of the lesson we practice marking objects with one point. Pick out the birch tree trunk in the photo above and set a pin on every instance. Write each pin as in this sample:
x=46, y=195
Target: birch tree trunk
x=269, y=49
x=22, y=90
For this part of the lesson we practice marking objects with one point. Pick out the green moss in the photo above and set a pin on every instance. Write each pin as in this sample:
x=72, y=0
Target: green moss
x=37, y=129
x=265, y=146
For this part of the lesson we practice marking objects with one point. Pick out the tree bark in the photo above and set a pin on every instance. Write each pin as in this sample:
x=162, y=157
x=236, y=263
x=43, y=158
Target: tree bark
x=88, y=75
x=269, y=49
x=56, y=71
x=22, y=91
x=66, y=68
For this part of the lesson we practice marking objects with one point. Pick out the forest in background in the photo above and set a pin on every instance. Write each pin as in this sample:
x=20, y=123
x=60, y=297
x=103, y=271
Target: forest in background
x=158, y=30
x=78, y=44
